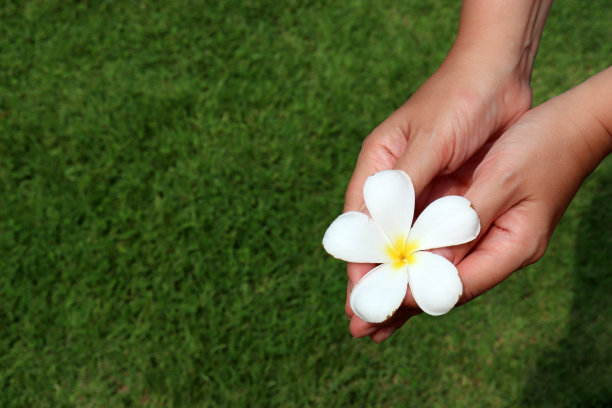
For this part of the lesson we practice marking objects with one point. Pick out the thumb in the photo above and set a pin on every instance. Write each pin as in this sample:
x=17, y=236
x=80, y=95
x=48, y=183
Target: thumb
x=422, y=160
x=391, y=146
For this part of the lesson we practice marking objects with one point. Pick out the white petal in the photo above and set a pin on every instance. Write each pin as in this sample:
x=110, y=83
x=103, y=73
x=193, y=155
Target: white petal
x=434, y=282
x=389, y=196
x=379, y=293
x=447, y=221
x=354, y=237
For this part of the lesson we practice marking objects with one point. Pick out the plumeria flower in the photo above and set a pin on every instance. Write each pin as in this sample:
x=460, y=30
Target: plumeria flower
x=385, y=237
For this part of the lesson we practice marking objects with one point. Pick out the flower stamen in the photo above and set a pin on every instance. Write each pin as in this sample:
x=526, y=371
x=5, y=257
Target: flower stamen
x=401, y=252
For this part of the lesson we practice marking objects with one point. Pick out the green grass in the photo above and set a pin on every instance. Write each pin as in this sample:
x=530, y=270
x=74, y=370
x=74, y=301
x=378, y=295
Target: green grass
x=167, y=170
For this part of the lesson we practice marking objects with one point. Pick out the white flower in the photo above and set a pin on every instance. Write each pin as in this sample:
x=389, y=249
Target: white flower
x=385, y=237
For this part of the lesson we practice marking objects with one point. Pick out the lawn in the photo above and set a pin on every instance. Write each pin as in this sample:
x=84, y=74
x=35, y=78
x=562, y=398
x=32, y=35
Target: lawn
x=167, y=171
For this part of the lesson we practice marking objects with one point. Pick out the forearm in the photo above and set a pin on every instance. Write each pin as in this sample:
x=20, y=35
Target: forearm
x=502, y=33
x=587, y=109
x=601, y=88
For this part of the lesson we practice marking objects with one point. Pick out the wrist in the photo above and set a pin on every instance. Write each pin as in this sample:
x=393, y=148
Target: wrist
x=490, y=82
x=502, y=34
x=585, y=120
x=597, y=92
x=483, y=54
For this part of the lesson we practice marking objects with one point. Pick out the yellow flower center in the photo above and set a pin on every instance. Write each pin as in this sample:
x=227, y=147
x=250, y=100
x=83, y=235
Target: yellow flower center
x=402, y=252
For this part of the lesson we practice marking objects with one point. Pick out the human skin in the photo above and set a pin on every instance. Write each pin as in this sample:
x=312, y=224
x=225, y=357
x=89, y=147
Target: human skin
x=520, y=185
x=479, y=91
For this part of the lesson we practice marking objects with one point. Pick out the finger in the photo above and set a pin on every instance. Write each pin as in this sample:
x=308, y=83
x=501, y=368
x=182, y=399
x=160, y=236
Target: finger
x=398, y=320
x=422, y=160
x=355, y=272
x=489, y=264
x=361, y=328
x=515, y=240
x=384, y=333
x=379, y=151
x=381, y=331
x=455, y=183
x=347, y=305
x=492, y=192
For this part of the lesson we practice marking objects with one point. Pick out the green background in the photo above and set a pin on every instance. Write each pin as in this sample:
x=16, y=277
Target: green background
x=167, y=171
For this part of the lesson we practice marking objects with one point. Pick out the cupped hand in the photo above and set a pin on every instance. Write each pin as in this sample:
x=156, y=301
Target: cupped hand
x=520, y=185
x=457, y=111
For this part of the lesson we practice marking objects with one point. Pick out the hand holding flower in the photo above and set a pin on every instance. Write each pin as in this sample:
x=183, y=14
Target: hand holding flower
x=387, y=238
x=520, y=186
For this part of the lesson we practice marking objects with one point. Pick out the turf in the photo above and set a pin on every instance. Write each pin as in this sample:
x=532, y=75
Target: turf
x=167, y=170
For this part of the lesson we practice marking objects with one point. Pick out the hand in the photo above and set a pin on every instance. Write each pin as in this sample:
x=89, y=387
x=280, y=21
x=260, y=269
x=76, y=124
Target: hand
x=520, y=186
x=445, y=122
x=479, y=91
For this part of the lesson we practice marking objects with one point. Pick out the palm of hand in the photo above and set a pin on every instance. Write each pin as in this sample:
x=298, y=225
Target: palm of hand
x=434, y=137
x=510, y=185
